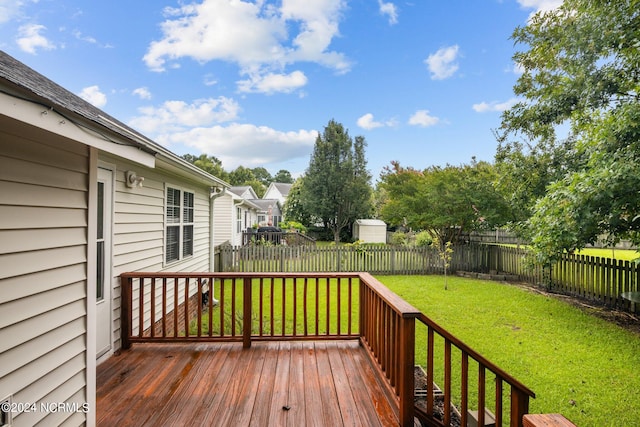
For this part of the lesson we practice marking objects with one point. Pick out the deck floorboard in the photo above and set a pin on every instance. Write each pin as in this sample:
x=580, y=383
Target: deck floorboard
x=318, y=383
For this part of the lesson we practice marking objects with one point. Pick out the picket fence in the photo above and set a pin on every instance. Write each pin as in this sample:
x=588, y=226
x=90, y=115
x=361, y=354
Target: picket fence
x=601, y=280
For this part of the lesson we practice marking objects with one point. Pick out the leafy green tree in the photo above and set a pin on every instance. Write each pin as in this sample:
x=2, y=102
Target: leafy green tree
x=262, y=175
x=283, y=176
x=581, y=71
x=337, y=186
x=444, y=201
x=210, y=164
x=241, y=175
x=294, y=209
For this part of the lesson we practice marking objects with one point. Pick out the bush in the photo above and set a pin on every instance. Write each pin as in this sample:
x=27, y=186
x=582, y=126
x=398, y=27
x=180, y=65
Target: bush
x=399, y=238
x=289, y=225
x=423, y=239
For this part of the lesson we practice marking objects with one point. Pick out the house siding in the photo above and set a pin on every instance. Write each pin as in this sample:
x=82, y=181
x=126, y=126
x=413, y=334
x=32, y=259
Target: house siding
x=139, y=227
x=43, y=272
x=223, y=219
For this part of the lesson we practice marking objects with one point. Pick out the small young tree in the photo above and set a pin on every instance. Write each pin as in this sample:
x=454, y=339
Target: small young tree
x=445, y=252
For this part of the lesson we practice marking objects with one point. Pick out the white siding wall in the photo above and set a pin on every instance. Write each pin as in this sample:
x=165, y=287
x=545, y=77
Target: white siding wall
x=43, y=282
x=139, y=227
x=223, y=219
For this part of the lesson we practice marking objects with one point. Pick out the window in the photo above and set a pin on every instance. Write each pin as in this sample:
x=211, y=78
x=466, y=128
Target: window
x=238, y=220
x=179, y=224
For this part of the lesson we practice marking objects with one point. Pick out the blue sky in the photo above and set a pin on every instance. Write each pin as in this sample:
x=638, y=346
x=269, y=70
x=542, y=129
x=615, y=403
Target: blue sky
x=253, y=82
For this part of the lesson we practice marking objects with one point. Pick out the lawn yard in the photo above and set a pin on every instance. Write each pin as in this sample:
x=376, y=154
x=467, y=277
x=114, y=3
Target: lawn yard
x=579, y=365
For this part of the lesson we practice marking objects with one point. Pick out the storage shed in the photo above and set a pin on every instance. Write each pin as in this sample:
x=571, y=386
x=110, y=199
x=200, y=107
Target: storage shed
x=370, y=231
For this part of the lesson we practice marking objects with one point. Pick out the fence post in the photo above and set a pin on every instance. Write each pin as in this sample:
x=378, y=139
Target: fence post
x=246, y=312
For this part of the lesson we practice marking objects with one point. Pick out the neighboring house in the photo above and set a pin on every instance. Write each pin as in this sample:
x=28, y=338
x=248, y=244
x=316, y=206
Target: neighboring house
x=270, y=212
x=84, y=198
x=278, y=191
x=370, y=230
x=233, y=216
x=244, y=191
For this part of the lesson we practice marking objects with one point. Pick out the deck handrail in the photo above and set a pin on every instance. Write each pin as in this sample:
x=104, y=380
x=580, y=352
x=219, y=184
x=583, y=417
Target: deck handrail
x=520, y=393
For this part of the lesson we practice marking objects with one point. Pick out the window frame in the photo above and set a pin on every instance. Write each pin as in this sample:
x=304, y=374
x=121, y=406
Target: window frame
x=182, y=223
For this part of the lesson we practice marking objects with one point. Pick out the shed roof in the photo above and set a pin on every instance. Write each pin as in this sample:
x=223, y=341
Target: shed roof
x=378, y=222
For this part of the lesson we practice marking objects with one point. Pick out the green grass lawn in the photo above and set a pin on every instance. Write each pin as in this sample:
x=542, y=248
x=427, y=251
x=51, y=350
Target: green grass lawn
x=577, y=364
x=622, y=254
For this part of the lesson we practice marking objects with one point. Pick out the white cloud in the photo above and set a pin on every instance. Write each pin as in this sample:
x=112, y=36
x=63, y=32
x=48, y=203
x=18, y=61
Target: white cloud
x=516, y=69
x=390, y=10
x=30, y=39
x=493, y=106
x=178, y=116
x=422, y=118
x=270, y=83
x=142, y=92
x=245, y=144
x=93, y=96
x=259, y=36
x=9, y=9
x=367, y=122
x=540, y=5
x=442, y=64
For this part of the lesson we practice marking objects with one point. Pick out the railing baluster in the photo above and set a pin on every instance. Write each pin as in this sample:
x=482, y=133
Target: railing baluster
x=199, y=297
x=284, y=307
x=186, y=307
x=210, y=305
x=464, y=388
x=481, y=393
x=294, y=331
x=305, y=307
x=498, y=412
x=430, y=379
x=447, y=382
x=246, y=313
x=152, y=308
x=141, y=305
x=328, y=297
x=175, y=307
x=261, y=307
x=271, y=302
x=164, y=307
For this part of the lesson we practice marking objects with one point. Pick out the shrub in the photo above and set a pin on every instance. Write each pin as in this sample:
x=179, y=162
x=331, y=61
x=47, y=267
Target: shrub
x=399, y=238
x=423, y=238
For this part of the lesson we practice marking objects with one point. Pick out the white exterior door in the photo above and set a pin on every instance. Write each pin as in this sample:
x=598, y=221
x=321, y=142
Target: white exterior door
x=103, y=264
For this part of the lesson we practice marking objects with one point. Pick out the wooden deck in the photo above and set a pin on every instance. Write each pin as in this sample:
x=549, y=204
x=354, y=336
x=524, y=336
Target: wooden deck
x=320, y=383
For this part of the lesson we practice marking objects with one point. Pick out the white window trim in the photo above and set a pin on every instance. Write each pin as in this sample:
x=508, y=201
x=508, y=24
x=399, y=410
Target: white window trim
x=181, y=224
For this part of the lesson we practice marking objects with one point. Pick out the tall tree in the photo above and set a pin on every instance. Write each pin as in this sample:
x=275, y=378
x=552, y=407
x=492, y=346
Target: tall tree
x=337, y=186
x=283, y=176
x=581, y=70
x=262, y=175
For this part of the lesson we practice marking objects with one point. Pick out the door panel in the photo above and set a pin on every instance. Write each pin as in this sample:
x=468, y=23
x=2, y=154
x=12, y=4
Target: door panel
x=103, y=264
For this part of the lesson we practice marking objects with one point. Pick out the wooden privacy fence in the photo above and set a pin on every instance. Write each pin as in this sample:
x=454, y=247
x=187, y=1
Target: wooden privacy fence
x=372, y=259
x=602, y=280
x=245, y=307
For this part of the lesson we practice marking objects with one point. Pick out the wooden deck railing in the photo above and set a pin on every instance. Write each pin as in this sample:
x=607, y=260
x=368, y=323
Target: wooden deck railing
x=244, y=307
x=441, y=368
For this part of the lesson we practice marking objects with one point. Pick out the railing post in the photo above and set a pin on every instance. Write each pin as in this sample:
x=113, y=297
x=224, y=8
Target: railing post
x=246, y=312
x=406, y=387
x=125, y=311
x=519, y=406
